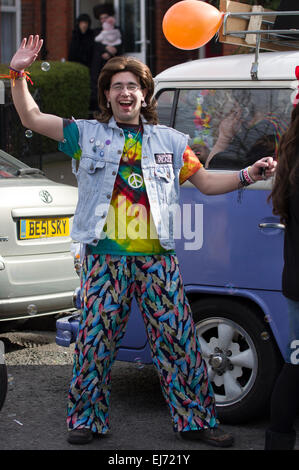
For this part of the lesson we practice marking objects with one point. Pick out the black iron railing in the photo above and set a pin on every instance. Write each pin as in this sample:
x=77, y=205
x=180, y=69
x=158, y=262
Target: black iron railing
x=22, y=143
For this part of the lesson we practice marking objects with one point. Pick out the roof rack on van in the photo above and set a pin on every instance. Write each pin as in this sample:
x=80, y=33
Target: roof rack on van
x=255, y=29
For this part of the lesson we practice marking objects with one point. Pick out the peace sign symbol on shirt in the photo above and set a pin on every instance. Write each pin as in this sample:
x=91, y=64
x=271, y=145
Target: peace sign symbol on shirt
x=135, y=181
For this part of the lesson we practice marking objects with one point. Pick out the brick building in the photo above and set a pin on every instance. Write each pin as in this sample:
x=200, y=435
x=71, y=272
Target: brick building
x=140, y=23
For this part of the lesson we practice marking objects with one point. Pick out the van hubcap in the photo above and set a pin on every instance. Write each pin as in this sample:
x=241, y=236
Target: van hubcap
x=231, y=358
x=219, y=361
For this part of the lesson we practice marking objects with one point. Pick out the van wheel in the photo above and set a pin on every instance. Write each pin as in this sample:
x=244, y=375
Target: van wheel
x=241, y=355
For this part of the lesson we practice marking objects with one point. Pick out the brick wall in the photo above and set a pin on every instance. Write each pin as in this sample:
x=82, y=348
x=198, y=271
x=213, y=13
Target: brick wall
x=59, y=24
x=31, y=17
x=59, y=28
x=166, y=54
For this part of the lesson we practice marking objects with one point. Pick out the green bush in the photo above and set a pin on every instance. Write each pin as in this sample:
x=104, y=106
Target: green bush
x=65, y=88
x=64, y=91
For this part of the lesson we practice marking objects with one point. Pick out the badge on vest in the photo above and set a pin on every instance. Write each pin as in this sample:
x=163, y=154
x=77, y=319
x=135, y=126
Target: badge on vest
x=163, y=157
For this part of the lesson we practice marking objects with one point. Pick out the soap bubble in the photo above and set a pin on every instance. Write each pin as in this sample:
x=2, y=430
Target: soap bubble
x=67, y=335
x=265, y=335
x=45, y=66
x=231, y=289
x=138, y=363
x=28, y=134
x=32, y=309
x=10, y=381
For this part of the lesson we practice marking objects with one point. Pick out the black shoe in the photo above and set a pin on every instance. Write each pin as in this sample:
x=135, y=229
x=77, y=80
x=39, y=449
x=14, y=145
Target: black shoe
x=80, y=436
x=279, y=440
x=213, y=437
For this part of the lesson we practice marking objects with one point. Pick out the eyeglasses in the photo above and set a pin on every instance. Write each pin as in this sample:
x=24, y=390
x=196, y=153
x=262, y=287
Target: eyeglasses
x=130, y=87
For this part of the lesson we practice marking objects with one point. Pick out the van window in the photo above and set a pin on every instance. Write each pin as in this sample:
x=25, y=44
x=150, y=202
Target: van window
x=229, y=128
x=165, y=107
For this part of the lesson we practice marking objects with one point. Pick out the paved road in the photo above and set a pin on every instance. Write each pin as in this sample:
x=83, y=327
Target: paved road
x=33, y=416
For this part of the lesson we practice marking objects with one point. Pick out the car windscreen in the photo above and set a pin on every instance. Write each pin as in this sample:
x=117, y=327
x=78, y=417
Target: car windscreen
x=10, y=167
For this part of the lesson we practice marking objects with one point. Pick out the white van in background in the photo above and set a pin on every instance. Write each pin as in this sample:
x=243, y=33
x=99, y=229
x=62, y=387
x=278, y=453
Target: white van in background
x=233, y=280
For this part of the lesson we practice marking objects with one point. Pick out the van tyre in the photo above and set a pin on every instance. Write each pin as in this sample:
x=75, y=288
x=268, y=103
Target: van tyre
x=241, y=355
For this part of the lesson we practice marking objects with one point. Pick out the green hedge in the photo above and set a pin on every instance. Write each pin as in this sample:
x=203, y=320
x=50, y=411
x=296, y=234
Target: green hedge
x=64, y=91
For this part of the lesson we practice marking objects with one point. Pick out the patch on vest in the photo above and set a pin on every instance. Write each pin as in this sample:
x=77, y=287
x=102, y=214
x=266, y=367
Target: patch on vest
x=163, y=157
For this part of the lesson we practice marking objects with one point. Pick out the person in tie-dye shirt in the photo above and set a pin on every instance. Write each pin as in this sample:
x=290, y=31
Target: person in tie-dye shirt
x=115, y=268
x=129, y=228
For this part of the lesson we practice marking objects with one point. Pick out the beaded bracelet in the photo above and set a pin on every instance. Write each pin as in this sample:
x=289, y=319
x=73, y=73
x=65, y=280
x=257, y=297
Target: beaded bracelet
x=245, y=178
x=17, y=75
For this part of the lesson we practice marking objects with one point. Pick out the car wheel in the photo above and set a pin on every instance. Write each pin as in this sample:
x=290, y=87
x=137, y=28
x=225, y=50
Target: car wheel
x=3, y=384
x=241, y=355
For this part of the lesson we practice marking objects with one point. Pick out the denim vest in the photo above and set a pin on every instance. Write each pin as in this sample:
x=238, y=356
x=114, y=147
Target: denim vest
x=102, y=147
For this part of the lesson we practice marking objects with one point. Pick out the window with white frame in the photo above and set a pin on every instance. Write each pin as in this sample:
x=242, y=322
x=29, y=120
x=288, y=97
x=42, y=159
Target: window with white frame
x=10, y=28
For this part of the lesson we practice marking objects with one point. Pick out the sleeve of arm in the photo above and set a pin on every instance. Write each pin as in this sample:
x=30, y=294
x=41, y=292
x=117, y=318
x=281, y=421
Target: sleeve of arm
x=70, y=144
x=191, y=165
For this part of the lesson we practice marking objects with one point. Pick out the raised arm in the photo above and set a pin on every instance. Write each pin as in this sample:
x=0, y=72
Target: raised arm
x=29, y=112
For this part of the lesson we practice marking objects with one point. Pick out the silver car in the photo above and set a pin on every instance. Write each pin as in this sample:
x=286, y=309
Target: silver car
x=37, y=275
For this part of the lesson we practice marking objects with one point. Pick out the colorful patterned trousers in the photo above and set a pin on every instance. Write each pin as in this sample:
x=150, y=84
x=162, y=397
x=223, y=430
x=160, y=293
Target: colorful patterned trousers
x=108, y=284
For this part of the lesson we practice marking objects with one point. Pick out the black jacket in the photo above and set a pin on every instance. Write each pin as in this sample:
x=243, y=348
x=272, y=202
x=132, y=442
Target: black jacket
x=81, y=47
x=290, y=276
x=97, y=63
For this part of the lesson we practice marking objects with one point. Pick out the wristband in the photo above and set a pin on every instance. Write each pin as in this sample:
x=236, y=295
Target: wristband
x=17, y=75
x=245, y=178
x=247, y=175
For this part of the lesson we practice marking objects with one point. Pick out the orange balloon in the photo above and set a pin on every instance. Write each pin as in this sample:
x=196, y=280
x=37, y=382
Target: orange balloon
x=190, y=24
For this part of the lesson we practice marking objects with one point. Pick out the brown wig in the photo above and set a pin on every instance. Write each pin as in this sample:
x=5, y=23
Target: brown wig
x=135, y=66
x=287, y=168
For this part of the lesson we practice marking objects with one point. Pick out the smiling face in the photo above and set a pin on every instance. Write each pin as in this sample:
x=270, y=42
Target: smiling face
x=125, y=97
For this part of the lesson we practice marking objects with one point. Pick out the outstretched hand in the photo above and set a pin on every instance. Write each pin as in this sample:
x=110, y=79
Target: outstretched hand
x=27, y=53
x=263, y=169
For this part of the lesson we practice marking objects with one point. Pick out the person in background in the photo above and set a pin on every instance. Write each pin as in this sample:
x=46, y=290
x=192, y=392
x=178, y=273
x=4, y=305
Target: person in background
x=281, y=434
x=82, y=42
x=101, y=52
x=109, y=36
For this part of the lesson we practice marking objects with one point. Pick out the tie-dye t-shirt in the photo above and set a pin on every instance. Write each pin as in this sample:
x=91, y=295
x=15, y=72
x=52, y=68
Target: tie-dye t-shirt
x=129, y=228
